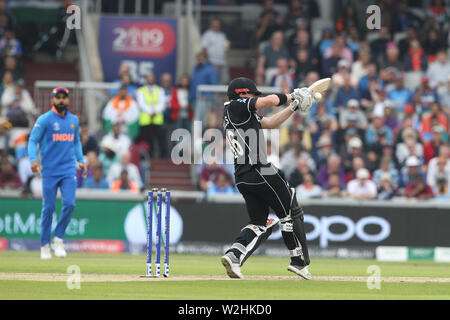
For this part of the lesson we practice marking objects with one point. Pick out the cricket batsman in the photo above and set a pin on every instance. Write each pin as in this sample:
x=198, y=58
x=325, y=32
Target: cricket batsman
x=261, y=184
x=57, y=135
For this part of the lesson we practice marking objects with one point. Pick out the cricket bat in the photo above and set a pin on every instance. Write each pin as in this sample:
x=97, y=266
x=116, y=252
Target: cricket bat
x=317, y=88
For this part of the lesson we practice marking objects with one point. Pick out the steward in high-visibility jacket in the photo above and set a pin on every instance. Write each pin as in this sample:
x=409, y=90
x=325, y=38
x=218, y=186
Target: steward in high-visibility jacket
x=151, y=99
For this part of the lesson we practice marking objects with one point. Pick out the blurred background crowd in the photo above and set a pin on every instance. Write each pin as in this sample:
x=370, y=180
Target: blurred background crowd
x=380, y=132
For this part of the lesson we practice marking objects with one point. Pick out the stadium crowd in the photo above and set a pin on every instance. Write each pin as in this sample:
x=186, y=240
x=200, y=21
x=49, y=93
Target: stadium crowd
x=380, y=132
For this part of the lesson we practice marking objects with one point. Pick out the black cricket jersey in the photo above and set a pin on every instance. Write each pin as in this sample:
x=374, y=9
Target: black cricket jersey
x=242, y=126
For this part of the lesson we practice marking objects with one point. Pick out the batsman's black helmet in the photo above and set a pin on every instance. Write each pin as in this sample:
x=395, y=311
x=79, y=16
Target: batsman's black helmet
x=241, y=85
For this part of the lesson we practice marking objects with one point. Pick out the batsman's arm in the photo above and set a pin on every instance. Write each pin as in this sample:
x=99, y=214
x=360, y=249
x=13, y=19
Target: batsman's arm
x=275, y=121
x=271, y=101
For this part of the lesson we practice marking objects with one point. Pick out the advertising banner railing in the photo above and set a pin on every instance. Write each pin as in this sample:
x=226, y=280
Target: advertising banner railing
x=206, y=222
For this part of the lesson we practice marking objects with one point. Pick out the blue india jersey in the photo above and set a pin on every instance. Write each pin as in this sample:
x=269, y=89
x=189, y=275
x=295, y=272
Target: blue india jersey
x=59, y=143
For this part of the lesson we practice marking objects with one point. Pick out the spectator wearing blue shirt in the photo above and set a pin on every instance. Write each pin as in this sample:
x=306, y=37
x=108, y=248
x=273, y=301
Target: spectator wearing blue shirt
x=386, y=167
x=344, y=94
x=377, y=128
x=97, y=181
x=410, y=171
x=203, y=74
x=221, y=186
x=400, y=96
x=125, y=81
x=424, y=96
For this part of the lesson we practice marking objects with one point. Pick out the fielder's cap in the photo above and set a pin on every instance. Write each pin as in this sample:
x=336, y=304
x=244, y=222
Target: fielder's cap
x=59, y=90
x=353, y=103
x=363, y=173
x=412, y=161
x=355, y=142
x=241, y=85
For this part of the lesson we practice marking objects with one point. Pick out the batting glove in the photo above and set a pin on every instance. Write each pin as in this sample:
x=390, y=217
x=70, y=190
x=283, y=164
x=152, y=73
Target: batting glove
x=304, y=97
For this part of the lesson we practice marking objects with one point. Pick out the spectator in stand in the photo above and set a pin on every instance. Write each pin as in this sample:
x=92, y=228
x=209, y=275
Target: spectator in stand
x=439, y=179
x=341, y=47
x=300, y=42
x=415, y=58
x=386, y=189
x=221, y=186
x=124, y=79
x=283, y=74
x=377, y=128
x=108, y=155
x=409, y=170
x=435, y=117
x=438, y=10
x=115, y=172
x=167, y=85
x=333, y=167
x=354, y=160
x=331, y=60
x=333, y=188
x=308, y=189
x=4, y=11
x=295, y=12
x=337, y=79
x=378, y=46
x=419, y=189
x=181, y=112
x=400, y=96
x=439, y=71
x=362, y=188
x=352, y=113
x=444, y=97
x=288, y=160
x=210, y=173
x=121, y=142
x=326, y=40
x=431, y=147
x=124, y=111
x=10, y=46
x=404, y=18
x=323, y=149
x=269, y=22
x=433, y=44
x=9, y=179
x=371, y=75
x=11, y=65
x=6, y=82
x=424, y=96
x=17, y=105
x=214, y=41
x=297, y=176
x=124, y=184
x=410, y=146
x=359, y=67
x=442, y=189
x=345, y=94
x=88, y=142
x=433, y=165
x=272, y=52
x=304, y=63
x=97, y=180
x=404, y=44
x=151, y=101
x=392, y=58
x=386, y=167
x=203, y=73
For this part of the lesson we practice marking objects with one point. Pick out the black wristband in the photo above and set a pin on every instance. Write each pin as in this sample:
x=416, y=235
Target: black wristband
x=283, y=99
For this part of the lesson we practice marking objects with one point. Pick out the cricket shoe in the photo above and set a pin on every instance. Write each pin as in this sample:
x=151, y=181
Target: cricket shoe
x=300, y=270
x=58, y=247
x=46, y=253
x=232, y=265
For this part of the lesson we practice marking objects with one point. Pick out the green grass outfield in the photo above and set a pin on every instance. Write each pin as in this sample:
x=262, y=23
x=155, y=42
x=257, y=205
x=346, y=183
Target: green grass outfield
x=116, y=276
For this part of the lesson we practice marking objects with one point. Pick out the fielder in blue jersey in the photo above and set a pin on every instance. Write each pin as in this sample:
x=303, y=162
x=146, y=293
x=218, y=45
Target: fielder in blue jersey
x=57, y=135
